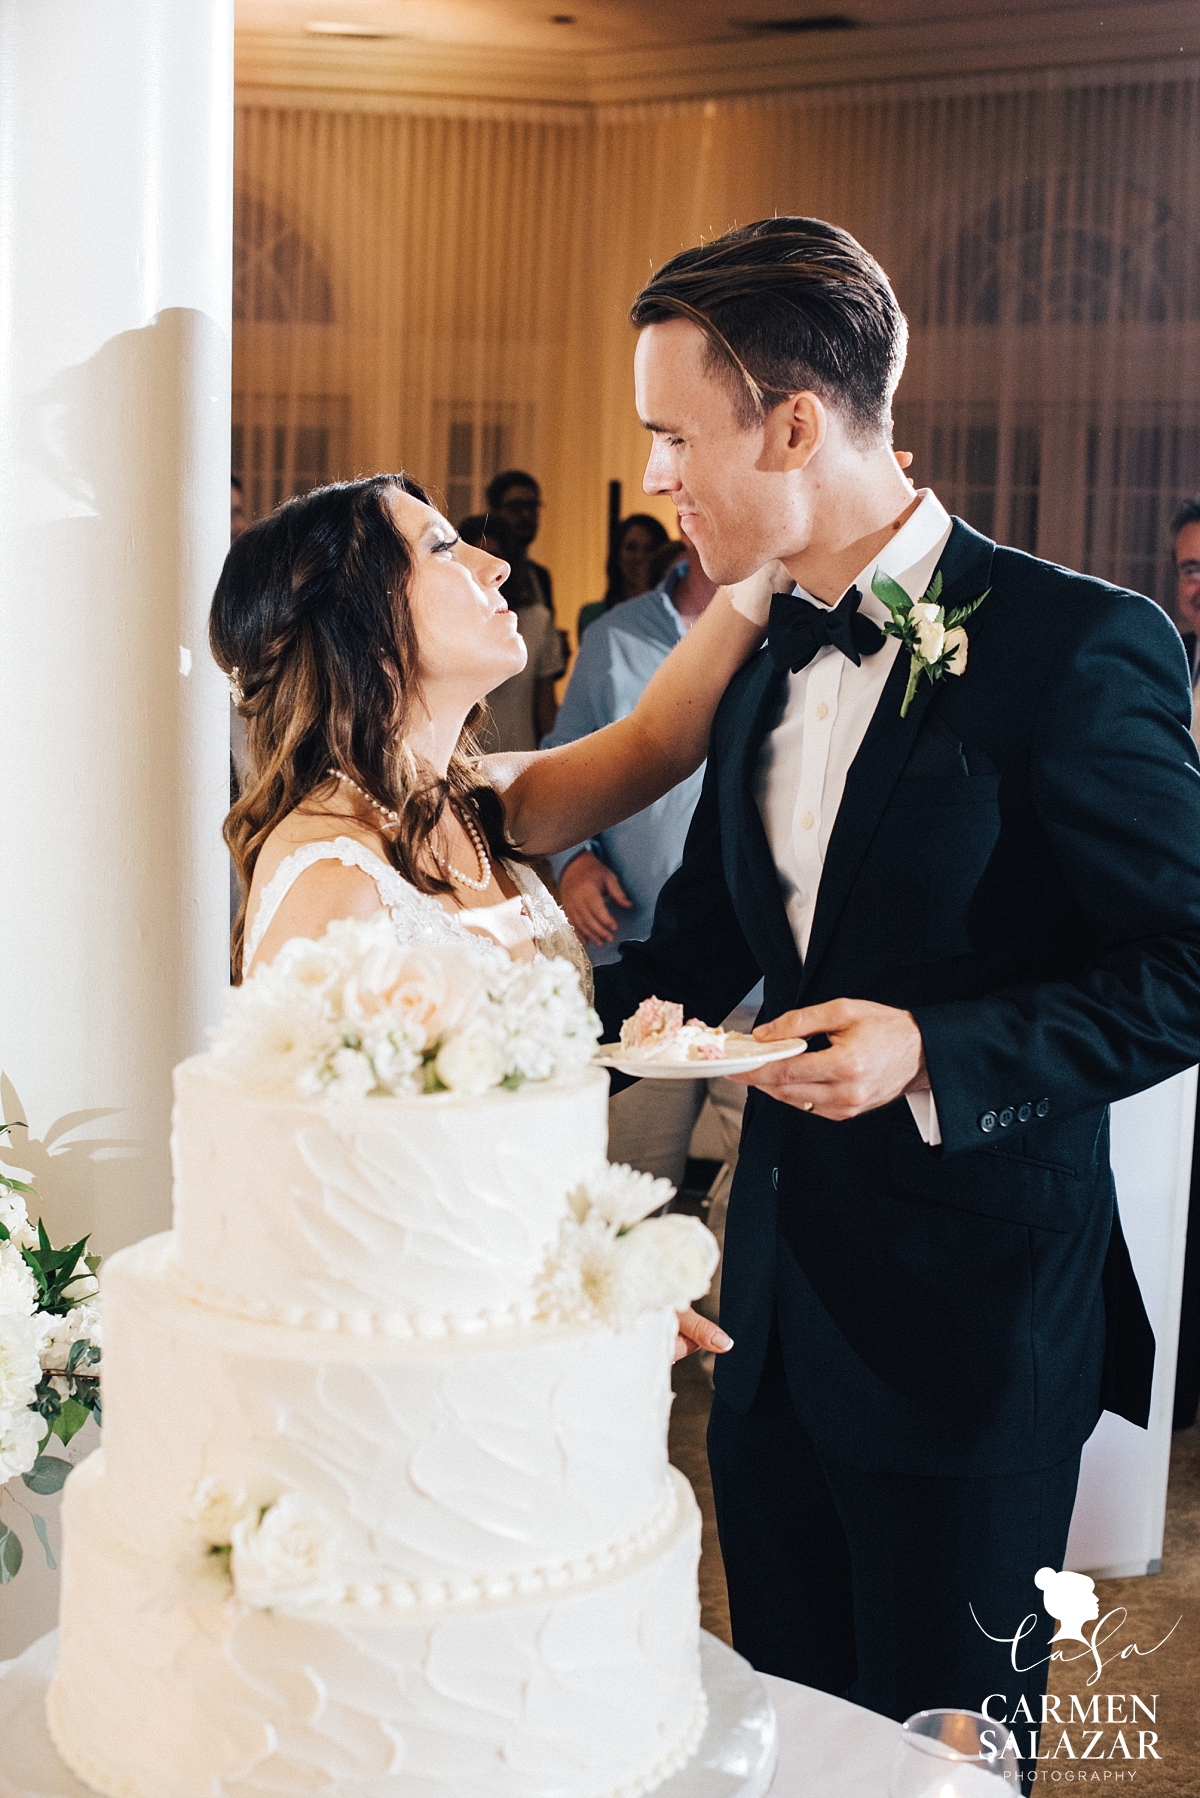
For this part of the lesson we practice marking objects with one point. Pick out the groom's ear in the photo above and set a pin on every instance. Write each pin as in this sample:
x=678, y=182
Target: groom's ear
x=799, y=425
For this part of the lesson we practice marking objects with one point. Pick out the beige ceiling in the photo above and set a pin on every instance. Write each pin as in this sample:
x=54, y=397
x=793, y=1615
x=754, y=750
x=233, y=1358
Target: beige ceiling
x=615, y=25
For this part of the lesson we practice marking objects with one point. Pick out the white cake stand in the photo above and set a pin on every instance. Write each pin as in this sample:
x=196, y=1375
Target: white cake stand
x=735, y=1759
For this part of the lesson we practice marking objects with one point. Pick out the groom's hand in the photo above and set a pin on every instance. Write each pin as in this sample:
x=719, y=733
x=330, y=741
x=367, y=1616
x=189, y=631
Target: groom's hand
x=875, y=1053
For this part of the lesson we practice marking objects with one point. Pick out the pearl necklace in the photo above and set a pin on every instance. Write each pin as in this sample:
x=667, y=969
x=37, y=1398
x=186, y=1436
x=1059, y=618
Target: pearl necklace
x=468, y=823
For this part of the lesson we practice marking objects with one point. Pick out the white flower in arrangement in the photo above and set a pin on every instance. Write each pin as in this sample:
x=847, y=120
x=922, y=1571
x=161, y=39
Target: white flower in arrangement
x=610, y=1266
x=20, y=1368
x=619, y=1195
x=18, y=1288
x=359, y=1013
x=15, y=1219
x=217, y=1506
x=667, y=1261
x=21, y=1435
x=288, y=1555
x=471, y=1062
x=58, y=1335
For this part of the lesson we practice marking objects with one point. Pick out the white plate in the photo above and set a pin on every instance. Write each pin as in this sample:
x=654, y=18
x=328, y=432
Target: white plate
x=610, y=1055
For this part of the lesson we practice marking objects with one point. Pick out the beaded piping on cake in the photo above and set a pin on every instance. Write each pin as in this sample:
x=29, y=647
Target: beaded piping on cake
x=401, y=1325
x=408, y=1596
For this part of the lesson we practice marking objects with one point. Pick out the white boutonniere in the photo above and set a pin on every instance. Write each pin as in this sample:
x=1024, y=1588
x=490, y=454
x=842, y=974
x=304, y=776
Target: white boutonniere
x=935, y=640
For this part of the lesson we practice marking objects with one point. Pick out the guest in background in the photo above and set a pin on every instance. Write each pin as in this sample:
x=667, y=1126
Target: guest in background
x=640, y=537
x=609, y=885
x=514, y=500
x=237, y=509
x=521, y=709
x=1185, y=532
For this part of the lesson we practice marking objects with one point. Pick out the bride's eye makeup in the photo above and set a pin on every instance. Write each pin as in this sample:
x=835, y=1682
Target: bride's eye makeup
x=444, y=543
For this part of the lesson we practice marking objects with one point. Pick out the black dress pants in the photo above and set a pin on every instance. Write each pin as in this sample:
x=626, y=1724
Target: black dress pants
x=862, y=1583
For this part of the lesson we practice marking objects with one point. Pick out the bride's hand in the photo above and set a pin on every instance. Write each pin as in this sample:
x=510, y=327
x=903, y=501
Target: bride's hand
x=696, y=1332
x=752, y=597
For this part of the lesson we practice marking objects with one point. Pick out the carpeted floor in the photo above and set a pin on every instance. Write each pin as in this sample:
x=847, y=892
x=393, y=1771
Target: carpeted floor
x=1167, y=1681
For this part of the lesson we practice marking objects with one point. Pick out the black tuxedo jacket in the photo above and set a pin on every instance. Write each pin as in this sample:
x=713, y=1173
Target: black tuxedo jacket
x=1017, y=863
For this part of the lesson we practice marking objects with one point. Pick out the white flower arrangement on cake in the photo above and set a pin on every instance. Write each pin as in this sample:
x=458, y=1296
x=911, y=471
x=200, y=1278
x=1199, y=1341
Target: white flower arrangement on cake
x=49, y=1353
x=358, y=1013
x=614, y=1261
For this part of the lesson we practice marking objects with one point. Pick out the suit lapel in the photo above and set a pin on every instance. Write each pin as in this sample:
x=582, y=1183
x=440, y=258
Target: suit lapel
x=750, y=869
x=966, y=570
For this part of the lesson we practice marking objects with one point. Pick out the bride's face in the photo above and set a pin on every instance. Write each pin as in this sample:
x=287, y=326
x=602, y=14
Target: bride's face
x=467, y=639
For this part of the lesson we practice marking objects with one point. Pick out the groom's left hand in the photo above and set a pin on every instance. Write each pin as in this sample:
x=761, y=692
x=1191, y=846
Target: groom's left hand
x=875, y=1053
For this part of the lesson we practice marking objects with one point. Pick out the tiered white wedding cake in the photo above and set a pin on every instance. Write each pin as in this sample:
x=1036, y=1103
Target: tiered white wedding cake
x=383, y=1508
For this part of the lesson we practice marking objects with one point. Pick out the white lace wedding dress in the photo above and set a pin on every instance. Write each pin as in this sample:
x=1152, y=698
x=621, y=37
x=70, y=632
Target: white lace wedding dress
x=418, y=917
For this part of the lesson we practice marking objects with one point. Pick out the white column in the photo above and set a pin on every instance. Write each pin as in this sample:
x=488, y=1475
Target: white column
x=115, y=280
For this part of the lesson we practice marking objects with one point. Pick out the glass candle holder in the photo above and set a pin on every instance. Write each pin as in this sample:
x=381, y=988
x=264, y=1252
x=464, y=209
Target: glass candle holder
x=952, y=1754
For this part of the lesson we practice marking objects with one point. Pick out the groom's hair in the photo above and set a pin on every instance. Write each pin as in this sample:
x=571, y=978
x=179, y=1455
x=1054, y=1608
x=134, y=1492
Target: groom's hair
x=789, y=305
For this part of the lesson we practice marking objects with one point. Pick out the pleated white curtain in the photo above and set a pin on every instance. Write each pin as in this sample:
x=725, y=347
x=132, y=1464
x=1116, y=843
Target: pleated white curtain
x=445, y=287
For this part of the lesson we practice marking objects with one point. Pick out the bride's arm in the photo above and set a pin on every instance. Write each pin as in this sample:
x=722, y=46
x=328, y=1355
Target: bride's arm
x=556, y=797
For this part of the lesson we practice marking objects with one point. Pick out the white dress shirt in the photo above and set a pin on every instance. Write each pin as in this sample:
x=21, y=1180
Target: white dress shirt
x=804, y=762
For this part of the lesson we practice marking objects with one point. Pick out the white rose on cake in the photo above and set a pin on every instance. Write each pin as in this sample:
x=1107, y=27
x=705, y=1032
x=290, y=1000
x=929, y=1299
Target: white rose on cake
x=290, y=1555
x=218, y=1506
x=472, y=1062
x=667, y=1261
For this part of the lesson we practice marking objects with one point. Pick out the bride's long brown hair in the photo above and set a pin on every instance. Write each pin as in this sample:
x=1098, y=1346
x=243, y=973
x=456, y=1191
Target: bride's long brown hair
x=311, y=621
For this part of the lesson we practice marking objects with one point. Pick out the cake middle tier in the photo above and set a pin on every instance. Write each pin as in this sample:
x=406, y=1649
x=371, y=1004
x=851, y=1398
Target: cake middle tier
x=455, y=1465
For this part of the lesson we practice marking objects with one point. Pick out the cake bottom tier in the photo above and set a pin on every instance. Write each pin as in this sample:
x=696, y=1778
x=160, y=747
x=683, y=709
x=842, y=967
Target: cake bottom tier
x=167, y=1687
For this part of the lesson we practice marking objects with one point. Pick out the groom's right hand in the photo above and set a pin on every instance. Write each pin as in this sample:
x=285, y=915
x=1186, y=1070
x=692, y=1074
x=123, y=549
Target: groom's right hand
x=585, y=888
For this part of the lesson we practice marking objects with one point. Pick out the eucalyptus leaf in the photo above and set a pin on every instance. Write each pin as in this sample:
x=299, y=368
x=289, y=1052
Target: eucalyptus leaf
x=83, y=1354
x=48, y=1474
x=11, y=1555
x=39, y=1524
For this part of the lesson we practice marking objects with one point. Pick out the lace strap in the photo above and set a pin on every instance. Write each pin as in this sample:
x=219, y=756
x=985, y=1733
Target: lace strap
x=341, y=849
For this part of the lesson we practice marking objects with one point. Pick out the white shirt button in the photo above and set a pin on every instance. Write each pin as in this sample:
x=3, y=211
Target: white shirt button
x=807, y=821
x=822, y=710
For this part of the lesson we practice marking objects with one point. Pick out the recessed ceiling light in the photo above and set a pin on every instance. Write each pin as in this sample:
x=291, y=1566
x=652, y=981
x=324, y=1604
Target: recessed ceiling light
x=343, y=28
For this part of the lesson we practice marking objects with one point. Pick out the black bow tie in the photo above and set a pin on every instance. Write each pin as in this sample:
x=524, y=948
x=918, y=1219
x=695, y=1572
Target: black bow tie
x=796, y=629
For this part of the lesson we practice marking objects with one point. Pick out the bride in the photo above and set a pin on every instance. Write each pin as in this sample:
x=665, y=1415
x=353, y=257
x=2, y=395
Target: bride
x=361, y=635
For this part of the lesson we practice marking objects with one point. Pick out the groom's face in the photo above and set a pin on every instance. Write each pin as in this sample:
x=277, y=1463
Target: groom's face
x=740, y=493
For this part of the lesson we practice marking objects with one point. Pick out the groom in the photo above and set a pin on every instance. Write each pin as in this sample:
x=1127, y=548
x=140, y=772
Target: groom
x=982, y=909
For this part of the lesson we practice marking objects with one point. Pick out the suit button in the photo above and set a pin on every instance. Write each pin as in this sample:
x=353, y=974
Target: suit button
x=1006, y=1117
x=775, y=1178
x=1043, y=1108
x=987, y=1122
x=1025, y=1113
